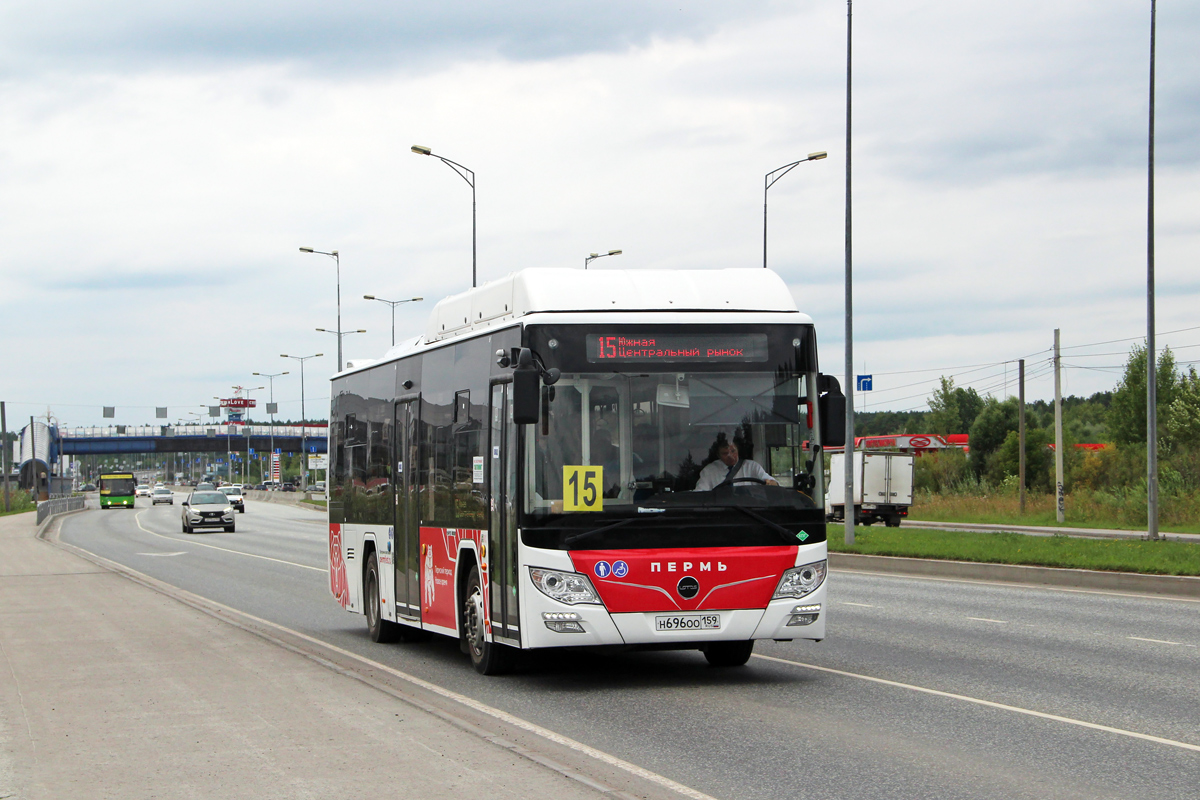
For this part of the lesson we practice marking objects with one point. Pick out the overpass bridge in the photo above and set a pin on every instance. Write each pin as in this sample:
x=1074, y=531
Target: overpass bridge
x=218, y=438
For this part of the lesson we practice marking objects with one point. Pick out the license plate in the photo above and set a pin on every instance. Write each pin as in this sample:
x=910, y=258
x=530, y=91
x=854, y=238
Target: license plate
x=688, y=622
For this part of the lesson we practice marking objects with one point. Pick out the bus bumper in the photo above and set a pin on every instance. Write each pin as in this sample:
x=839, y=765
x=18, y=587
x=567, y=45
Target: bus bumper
x=593, y=625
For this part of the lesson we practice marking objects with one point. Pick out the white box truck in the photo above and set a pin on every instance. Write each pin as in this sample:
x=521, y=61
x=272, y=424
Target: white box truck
x=883, y=488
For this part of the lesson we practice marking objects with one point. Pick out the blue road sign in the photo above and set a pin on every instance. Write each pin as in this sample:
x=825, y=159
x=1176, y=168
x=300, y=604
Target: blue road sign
x=251, y=451
x=278, y=450
x=863, y=383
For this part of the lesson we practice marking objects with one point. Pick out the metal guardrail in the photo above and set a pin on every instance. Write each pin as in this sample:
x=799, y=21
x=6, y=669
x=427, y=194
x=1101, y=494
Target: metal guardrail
x=48, y=508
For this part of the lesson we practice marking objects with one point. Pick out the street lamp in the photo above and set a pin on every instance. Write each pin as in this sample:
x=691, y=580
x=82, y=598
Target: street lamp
x=594, y=256
x=228, y=441
x=338, y=260
x=271, y=411
x=463, y=172
x=246, y=463
x=393, y=304
x=303, y=418
x=340, y=336
x=769, y=181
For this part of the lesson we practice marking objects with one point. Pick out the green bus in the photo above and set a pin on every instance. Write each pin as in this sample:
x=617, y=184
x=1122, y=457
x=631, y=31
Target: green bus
x=117, y=489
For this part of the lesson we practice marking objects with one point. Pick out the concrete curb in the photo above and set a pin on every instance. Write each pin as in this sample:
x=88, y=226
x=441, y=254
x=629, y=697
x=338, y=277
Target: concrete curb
x=1167, y=585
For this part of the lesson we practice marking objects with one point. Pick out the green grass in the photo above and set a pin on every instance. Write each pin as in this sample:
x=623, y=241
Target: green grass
x=1083, y=510
x=319, y=503
x=1119, y=555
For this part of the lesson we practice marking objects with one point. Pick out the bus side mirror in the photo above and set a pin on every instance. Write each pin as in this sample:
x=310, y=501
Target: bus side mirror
x=831, y=405
x=528, y=377
x=526, y=388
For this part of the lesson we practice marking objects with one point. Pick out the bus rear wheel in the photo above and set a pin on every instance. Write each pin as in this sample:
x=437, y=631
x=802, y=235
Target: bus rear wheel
x=378, y=628
x=488, y=658
x=728, y=654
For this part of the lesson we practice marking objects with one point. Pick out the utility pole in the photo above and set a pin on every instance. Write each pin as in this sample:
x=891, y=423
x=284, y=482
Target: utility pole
x=1059, y=498
x=37, y=494
x=1021, y=429
x=4, y=453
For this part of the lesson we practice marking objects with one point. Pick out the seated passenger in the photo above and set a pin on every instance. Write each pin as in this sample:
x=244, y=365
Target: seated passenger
x=729, y=467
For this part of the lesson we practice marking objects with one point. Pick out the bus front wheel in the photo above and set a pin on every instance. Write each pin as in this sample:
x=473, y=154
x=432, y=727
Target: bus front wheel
x=728, y=654
x=488, y=658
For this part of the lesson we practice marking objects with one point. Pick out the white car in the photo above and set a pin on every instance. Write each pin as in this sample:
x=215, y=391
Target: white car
x=207, y=509
x=162, y=495
x=234, y=493
x=142, y=490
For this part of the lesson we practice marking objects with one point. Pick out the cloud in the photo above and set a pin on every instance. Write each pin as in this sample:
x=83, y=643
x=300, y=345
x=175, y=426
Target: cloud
x=158, y=194
x=350, y=36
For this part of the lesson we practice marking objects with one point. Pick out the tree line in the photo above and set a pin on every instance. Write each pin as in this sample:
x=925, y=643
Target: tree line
x=1116, y=418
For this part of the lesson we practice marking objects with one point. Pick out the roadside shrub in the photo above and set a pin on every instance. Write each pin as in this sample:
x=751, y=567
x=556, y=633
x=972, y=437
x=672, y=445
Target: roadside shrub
x=19, y=502
x=943, y=472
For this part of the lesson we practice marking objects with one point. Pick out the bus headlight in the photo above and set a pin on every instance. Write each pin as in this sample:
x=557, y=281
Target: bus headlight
x=565, y=587
x=800, y=581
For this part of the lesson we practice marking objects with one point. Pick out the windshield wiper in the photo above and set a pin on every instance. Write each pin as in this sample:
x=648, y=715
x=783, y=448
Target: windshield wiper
x=791, y=536
x=579, y=537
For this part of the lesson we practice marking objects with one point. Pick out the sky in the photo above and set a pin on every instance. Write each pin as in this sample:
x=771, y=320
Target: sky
x=161, y=164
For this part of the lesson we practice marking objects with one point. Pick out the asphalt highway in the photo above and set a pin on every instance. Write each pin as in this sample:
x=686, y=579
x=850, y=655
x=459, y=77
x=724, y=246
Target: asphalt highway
x=924, y=688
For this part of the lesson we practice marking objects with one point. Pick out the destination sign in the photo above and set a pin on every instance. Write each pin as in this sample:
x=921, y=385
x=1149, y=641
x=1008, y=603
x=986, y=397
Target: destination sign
x=681, y=347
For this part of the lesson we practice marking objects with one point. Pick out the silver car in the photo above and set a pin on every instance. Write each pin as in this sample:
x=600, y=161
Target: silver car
x=162, y=495
x=207, y=510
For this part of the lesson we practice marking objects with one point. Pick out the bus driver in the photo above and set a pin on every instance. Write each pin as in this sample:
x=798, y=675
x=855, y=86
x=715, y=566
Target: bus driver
x=729, y=467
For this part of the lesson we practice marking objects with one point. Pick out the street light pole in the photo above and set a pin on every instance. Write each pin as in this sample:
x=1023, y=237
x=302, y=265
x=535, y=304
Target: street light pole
x=340, y=335
x=393, y=304
x=228, y=442
x=246, y=463
x=271, y=411
x=303, y=417
x=593, y=256
x=769, y=181
x=463, y=172
x=849, y=448
x=1151, y=362
x=338, y=260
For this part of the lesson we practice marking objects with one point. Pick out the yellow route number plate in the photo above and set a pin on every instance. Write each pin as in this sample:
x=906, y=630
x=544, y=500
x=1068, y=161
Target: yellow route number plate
x=583, y=488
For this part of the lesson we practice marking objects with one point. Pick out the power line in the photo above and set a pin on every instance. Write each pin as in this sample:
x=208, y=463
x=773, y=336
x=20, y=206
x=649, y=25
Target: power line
x=1132, y=338
x=943, y=369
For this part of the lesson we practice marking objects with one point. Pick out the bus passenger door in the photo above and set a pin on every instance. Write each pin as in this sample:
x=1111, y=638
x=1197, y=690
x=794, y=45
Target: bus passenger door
x=408, y=545
x=502, y=531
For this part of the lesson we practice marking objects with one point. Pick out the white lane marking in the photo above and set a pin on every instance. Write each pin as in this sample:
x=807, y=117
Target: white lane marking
x=990, y=704
x=1160, y=641
x=180, y=553
x=1016, y=584
x=985, y=619
x=138, y=520
x=860, y=605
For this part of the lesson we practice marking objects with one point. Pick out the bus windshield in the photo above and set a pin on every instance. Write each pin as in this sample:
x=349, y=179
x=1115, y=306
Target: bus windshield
x=117, y=485
x=731, y=446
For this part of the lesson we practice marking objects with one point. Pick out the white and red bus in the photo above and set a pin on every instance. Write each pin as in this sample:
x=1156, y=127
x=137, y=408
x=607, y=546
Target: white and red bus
x=528, y=473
